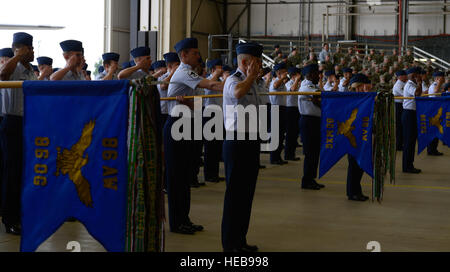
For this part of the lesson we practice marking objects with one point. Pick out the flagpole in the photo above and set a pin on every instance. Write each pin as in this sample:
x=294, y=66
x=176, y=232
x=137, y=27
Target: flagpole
x=19, y=85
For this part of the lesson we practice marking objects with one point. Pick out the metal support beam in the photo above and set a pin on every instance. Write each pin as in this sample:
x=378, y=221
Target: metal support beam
x=196, y=13
x=249, y=18
x=225, y=16
x=237, y=19
x=265, y=18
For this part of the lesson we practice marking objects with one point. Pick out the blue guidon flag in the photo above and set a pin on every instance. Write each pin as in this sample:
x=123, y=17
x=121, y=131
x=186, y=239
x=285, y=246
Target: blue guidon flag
x=346, y=128
x=433, y=120
x=75, y=148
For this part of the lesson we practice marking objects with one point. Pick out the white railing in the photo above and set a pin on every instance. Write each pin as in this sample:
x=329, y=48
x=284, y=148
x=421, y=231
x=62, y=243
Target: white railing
x=267, y=61
x=423, y=56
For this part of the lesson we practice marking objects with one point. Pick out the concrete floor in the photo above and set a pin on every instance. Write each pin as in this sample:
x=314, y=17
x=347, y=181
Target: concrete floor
x=414, y=215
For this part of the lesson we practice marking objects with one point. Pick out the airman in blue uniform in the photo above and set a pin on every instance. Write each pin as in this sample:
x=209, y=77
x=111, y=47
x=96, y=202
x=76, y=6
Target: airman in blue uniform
x=180, y=168
x=73, y=54
x=16, y=68
x=412, y=88
x=241, y=157
x=310, y=113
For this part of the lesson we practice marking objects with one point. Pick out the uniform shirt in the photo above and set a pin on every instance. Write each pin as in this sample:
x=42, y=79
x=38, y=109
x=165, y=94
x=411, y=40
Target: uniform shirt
x=12, y=99
x=73, y=76
x=305, y=105
x=100, y=75
x=291, y=100
x=432, y=89
x=230, y=100
x=279, y=100
x=341, y=87
x=104, y=73
x=212, y=101
x=424, y=86
x=138, y=74
x=397, y=90
x=323, y=54
x=409, y=91
x=328, y=86
x=262, y=89
x=183, y=83
x=163, y=93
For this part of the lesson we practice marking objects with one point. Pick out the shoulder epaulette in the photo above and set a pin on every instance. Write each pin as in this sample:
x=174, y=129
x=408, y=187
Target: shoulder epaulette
x=237, y=74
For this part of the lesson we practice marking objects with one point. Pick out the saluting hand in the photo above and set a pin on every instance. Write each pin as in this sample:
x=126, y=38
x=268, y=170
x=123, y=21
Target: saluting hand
x=72, y=62
x=21, y=52
x=46, y=71
x=114, y=67
x=253, y=69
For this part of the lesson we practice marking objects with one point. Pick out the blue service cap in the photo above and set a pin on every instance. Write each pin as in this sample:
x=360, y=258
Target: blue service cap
x=213, y=63
x=438, y=74
x=294, y=70
x=227, y=68
x=329, y=73
x=35, y=68
x=6, y=52
x=126, y=65
x=140, y=51
x=250, y=48
x=101, y=69
x=132, y=63
x=44, y=61
x=279, y=66
x=23, y=38
x=415, y=70
x=171, y=57
x=400, y=73
x=71, y=45
x=186, y=44
x=85, y=66
x=88, y=73
x=347, y=70
x=55, y=69
x=111, y=56
x=310, y=68
x=359, y=78
x=446, y=86
x=159, y=64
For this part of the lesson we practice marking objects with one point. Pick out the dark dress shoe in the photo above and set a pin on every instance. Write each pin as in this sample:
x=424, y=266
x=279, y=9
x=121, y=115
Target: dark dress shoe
x=310, y=186
x=71, y=219
x=251, y=248
x=13, y=229
x=213, y=180
x=318, y=184
x=221, y=178
x=412, y=171
x=293, y=159
x=240, y=250
x=184, y=229
x=262, y=166
x=195, y=227
x=360, y=197
x=202, y=184
x=279, y=162
x=195, y=184
x=437, y=153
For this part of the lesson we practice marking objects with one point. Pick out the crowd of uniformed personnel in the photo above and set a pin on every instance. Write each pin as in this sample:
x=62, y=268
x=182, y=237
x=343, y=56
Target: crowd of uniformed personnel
x=184, y=74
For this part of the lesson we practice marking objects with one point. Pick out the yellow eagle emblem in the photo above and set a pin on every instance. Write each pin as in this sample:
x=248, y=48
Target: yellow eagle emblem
x=70, y=162
x=346, y=128
x=436, y=121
